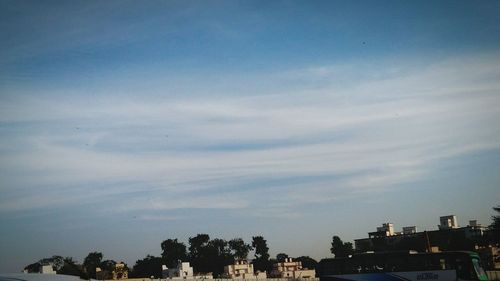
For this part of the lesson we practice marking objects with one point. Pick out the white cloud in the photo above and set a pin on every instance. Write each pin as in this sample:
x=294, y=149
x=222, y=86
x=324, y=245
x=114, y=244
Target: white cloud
x=368, y=134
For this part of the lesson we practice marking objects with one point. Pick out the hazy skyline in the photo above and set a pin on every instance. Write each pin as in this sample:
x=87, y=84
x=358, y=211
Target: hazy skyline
x=125, y=123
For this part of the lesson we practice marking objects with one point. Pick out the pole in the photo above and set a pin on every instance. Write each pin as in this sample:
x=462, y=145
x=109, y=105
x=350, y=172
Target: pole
x=428, y=243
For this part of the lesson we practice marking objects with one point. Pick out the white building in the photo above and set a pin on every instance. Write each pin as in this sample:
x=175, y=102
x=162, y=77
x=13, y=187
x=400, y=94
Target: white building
x=388, y=228
x=448, y=222
x=241, y=269
x=183, y=271
x=47, y=269
x=291, y=269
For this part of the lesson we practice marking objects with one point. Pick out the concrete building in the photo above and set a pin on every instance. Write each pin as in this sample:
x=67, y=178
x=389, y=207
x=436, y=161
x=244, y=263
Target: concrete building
x=431, y=241
x=474, y=223
x=183, y=270
x=407, y=230
x=448, y=222
x=120, y=271
x=387, y=228
x=291, y=269
x=490, y=256
x=47, y=269
x=241, y=269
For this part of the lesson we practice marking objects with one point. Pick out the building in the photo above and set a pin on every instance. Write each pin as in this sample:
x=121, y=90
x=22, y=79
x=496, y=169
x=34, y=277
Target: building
x=183, y=270
x=44, y=266
x=241, y=269
x=448, y=222
x=385, y=237
x=291, y=269
x=474, y=223
x=407, y=230
x=449, y=237
x=387, y=228
x=490, y=256
x=47, y=269
x=120, y=271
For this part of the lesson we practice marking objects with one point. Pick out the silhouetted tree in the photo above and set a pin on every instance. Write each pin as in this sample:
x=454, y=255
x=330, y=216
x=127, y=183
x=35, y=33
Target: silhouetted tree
x=348, y=248
x=147, y=267
x=270, y=265
x=107, y=265
x=307, y=262
x=70, y=268
x=197, y=245
x=495, y=226
x=261, y=261
x=337, y=246
x=281, y=257
x=219, y=255
x=91, y=262
x=199, y=252
x=172, y=251
x=341, y=249
x=33, y=268
x=56, y=261
x=240, y=248
x=260, y=246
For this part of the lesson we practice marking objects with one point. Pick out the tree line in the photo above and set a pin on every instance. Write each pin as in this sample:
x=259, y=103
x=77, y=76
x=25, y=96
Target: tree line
x=204, y=254
x=211, y=255
x=69, y=266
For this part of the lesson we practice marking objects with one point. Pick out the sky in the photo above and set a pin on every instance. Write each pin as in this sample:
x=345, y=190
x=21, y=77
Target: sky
x=125, y=123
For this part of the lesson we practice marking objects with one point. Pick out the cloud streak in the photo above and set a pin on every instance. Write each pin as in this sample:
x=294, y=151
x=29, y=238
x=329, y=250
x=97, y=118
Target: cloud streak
x=368, y=133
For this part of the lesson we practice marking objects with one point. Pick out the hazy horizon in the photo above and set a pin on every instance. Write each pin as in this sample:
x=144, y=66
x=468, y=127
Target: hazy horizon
x=125, y=123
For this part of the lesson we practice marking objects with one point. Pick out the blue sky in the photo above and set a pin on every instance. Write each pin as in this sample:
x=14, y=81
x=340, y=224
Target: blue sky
x=125, y=123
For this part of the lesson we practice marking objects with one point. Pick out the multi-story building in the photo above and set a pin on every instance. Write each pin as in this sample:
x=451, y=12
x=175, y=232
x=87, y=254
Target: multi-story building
x=291, y=269
x=120, y=271
x=387, y=228
x=448, y=237
x=448, y=222
x=241, y=269
x=407, y=230
x=183, y=270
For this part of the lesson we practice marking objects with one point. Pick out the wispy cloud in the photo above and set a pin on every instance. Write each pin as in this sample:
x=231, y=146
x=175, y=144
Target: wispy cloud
x=369, y=133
